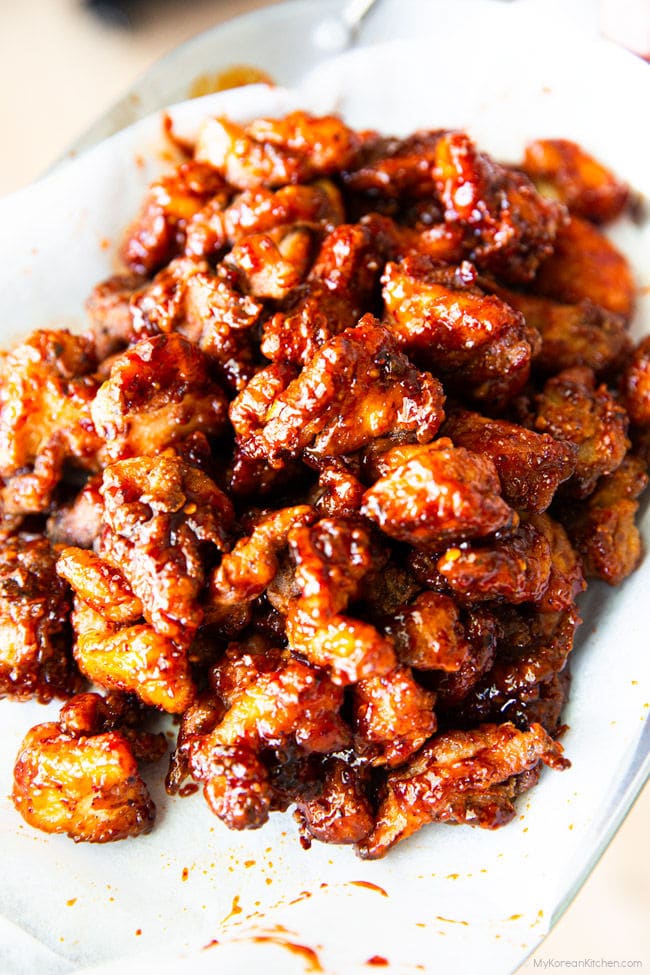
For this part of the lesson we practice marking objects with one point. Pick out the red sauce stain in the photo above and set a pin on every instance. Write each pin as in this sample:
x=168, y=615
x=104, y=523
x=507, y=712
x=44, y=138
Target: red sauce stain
x=369, y=886
x=302, y=896
x=451, y=920
x=269, y=880
x=234, y=910
x=249, y=863
x=185, y=874
x=377, y=960
x=210, y=944
x=105, y=243
x=308, y=955
x=140, y=161
x=452, y=876
x=71, y=902
x=188, y=790
x=138, y=932
x=515, y=917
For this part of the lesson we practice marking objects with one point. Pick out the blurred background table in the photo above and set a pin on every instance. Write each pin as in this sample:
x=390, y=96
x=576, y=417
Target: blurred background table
x=60, y=67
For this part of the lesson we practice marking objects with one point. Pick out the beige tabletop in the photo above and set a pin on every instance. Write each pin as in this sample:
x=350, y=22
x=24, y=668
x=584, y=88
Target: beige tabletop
x=60, y=67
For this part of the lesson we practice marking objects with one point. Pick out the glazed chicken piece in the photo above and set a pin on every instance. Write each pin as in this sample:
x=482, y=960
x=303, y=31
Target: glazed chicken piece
x=271, y=702
x=456, y=779
x=250, y=567
x=158, y=234
x=159, y=391
x=109, y=310
x=340, y=812
x=531, y=466
x=331, y=558
x=133, y=658
x=516, y=568
x=586, y=266
x=573, y=335
x=566, y=580
x=428, y=633
x=357, y=388
x=80, y=777
x=602, y=527
x=275, y=152
x=436, y=494
x=509, y=227
x=572, y=408
x=161, y=517
x=318, y=207
x=35, y=658
x=45, y=417
x=562, y=170
x=392, y=717
x=341, y=284
x=475, y=341
x=635, y=385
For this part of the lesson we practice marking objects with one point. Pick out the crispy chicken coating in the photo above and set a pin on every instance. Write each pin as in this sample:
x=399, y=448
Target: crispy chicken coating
x=392, y=717
x=159, y=391
x=453, y=779
x=515, y=569
x=531, y=466
x=161, y=516
x=428, y=633
x=340, y=812
x=275, y=152
x=45, y=417
x=510, y=228
x=475, y=341
x=332, y=557
x=602, y=528
x=109, y=310
x=35, y=659
x=158, y=233
x=573, y=335
x=585, y=265
x=572, y=408
x=437, y=494
x=563, y=170
x=84, y=785
x=357, y=388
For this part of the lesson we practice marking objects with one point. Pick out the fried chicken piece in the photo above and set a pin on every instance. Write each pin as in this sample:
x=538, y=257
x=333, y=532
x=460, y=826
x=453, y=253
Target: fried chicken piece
x=161, y=304
x=566, y=580
x=91, y=714
x=109, y=310
x=531, y=648
x=340, y=812
x=158, y=233
x=160, y=516
x=531, y=466
x=332, y=557
x=572, y=408
x=573, y=335
x=602, y=528
x=133, y=658
x=338, y=494
x=428, y=633
x=585, y=265
x=318, y=207
x=101, y=585
x=392, y=717
x=158, y=392
x=35, y=659
x=357, y=388
x=635, y=385
x=395, y=169
x=564, y=171
x=45, y=419
x=438, y=494
x=264, y=271
x=248, y=569
x=79, y=522
x=452, y=687
x=275, y=152
x=453, y=779
x=509, y=227
x=84, y=785
x=475, y=341
x=342, y=284
x=515, y=569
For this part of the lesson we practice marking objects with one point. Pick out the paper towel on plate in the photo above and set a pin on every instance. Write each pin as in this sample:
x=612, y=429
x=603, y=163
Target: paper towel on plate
x=447, y=899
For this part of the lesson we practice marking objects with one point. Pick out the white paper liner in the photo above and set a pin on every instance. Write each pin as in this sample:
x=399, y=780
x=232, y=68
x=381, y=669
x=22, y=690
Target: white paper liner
x=447, y=900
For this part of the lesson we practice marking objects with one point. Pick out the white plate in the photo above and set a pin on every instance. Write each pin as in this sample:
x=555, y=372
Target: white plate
x=456, y=899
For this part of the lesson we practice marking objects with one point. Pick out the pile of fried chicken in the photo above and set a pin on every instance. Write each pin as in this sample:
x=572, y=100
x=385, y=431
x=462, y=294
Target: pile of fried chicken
x=323, y=479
